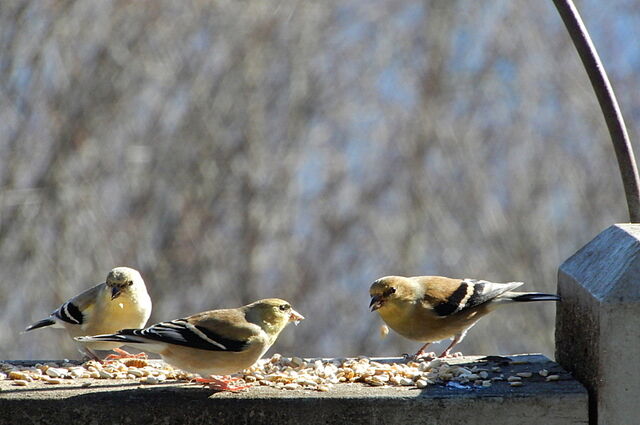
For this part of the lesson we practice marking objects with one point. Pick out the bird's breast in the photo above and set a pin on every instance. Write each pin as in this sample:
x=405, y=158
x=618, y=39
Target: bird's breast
x=418, y=324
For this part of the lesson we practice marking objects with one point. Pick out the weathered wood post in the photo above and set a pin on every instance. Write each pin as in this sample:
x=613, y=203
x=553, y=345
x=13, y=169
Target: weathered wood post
x=598, y=323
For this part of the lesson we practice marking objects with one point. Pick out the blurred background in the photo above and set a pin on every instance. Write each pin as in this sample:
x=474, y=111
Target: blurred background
x=234, y=150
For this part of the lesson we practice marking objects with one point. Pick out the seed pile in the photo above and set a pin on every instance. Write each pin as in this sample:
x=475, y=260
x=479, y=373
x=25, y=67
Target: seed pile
x=59, y=373
x=279, y=372
x=322, y=375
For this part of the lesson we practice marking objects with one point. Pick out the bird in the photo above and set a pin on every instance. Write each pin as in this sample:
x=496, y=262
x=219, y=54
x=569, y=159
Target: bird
x=432, y=308
x=121, y=301
x=214, y=342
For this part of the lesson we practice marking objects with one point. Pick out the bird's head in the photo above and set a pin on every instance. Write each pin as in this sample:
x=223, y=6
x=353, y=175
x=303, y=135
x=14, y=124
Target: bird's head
x=274, y=313
x=386, y=289
x=122, y=279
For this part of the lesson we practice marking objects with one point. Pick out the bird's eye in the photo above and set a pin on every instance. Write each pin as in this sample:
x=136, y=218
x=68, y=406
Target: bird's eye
x=285, y=307
x=389, y=292
x=129, y=283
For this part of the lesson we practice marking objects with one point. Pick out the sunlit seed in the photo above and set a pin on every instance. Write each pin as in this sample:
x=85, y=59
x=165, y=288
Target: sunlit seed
x=149, y=380
x=421, y=383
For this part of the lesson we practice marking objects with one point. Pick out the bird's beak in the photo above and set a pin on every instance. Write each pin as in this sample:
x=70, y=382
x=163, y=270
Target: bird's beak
x=376, y=302
x=115, y=292
x=295, y=317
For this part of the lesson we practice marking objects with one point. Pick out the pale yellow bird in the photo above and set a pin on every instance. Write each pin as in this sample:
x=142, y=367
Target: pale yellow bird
x=433, y=308
x=120, y=302
x=215, y=342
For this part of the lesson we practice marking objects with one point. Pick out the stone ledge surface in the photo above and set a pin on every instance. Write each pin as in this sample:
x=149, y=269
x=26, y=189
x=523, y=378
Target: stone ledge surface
x=127, y=401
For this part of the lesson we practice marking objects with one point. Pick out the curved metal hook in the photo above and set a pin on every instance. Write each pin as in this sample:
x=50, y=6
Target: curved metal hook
x=608, y=104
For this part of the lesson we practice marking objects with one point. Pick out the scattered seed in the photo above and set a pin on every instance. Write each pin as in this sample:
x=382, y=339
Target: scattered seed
x=405, y=381
x=103, y=374
x=552, y=378
x=524, y=374
x=436, y=363
x=139, y=363
x=296, y=361
x=136, y=372
x=516, y=383
x=421, y=383
x=77, y=373
x=276, y=358
x=19, y=376
x=56, y=373
x=150, y=380
x=374, y=381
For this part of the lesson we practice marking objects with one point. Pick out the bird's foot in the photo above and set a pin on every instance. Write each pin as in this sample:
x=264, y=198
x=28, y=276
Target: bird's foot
x=121, y=354
x=222, y=383
x=447, y=355
x=419, y=356
x=426, y=356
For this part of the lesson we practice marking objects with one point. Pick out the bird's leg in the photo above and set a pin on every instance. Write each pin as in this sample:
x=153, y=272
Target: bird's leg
x=422, y=349
x=421, y=353
x=125, y=355
x=221, y=384
x=456, y=339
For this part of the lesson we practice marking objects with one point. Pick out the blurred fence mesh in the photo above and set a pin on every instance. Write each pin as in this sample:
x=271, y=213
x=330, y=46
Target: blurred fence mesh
x=234, y=150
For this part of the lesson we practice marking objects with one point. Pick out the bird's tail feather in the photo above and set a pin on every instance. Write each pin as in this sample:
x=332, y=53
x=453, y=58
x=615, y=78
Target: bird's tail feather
x=40, y=324
x=534, y=296
x=126, y=337
x=111, y=338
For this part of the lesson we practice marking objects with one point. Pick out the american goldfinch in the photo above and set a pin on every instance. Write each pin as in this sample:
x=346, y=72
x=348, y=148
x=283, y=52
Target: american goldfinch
x=215, y=342
x=433, y=308
x=120, y=302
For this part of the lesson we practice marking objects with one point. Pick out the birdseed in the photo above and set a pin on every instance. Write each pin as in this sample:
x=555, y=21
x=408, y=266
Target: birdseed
x=286, y=373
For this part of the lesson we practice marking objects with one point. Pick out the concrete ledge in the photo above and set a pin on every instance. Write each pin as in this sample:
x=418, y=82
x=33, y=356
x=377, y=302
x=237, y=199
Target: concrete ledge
x=126, y=401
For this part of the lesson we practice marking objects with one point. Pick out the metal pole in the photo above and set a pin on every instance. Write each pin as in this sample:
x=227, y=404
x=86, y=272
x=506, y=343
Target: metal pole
x=608, y=104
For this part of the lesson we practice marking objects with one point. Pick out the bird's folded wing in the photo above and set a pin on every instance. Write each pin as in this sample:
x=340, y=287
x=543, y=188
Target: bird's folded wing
x=77, y=309
x=185, y=333
x=447, y=296
x=69, y=313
